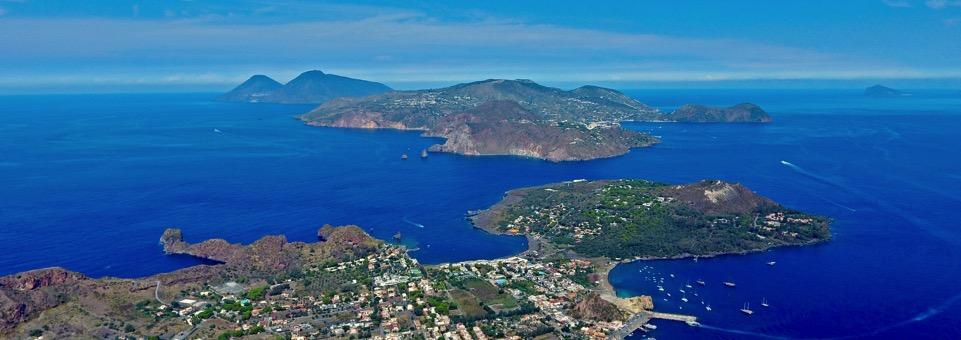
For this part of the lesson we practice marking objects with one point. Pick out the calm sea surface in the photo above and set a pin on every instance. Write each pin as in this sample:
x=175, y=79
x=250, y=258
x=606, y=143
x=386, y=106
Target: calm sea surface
x=89, y=182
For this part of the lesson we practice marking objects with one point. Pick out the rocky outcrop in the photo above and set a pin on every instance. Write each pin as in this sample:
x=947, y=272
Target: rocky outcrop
x=311, y=87
x=593, y=307
x=879, y=91
x=740, y=113
x=715, y=197
x=24, y=295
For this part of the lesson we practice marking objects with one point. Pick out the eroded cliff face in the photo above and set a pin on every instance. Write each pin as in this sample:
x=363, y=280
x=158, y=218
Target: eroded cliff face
x=24, y=295
x=593, y=307
x=77, y=305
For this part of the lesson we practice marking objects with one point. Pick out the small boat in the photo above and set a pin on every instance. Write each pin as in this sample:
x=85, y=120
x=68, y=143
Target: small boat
x=660, y=289
x=218, y=131
x=701, y=282
x=729, y=284
x=764, y=303
x=692, y=323
x=397, y=236
x=672, y=275
x=668, y=294
x=681, y=290
x=650, y=326
x=747, y=309
x=403, y=156
x=684, y=299
x=688, y=285
x=423, y=153
x=772, y=263
x=708, y=308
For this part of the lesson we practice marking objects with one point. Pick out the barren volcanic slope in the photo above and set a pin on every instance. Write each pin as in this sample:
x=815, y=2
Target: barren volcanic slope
x=502, y=117
x=636, y=218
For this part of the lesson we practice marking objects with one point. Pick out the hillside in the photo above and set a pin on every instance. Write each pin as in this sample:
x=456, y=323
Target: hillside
x=502, y=117
x=740, y=113
x=636, y=218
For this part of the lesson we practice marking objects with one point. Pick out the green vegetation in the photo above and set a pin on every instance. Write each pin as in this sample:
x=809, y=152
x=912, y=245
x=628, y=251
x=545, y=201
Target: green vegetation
x=627, y=218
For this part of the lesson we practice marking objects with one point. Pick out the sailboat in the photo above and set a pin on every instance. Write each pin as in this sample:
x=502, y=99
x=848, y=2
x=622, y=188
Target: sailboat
x=423, y=153
x=747, y=309
x=764, y=302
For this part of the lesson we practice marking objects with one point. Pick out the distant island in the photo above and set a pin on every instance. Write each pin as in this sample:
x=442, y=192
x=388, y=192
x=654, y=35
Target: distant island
x=311, y=87
x=879, y=91
x=740, y=113
x=624, y=219
x=518, y=117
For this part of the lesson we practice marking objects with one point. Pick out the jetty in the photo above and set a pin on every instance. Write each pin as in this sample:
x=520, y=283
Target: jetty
x=638, y=320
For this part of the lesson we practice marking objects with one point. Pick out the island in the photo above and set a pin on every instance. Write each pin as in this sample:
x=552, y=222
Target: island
x=518, y=117
x=347, y=284
x=740, y=113
x=311, y=87
x=879, y=91
x=639, y=219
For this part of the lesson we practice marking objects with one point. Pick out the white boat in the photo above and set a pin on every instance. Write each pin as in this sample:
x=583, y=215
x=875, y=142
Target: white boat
x=681, y=290
x=660, y=289
x=747, y=309
x=729, y=284
x=688, y=285
x=672, y=275
x=701, y=282
x=692, y=323
x=764, y=303
x=708, y=308
x=650, y=326
x=684, y=299
x=772, y=263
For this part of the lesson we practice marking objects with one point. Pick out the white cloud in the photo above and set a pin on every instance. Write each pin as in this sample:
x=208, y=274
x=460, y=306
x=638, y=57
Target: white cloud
x=898, y=3
x=941, y=4
x=393, y=46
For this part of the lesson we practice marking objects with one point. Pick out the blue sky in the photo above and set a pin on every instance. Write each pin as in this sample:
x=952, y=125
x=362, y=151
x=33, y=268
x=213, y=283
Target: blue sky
x=208, y=45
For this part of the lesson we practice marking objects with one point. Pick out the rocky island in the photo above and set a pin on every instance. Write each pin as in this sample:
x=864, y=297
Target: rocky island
x=311, y=87
x=740, y=113
x=518, y=117
x=629, y=219
x=879, y=91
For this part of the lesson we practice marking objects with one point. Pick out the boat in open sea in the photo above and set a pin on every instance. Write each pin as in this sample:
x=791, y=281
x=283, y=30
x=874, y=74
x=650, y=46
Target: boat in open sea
x=771, y=263
x=403, y=156
x=729, y=284
x=764, y=302
x=701, y=282
x=747, y=309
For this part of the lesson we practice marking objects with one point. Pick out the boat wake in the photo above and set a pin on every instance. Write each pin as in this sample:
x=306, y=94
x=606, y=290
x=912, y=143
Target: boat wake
x=917, y=318
x=740, y=332
x=412, y=223
x=822, y=180
x=921, y=223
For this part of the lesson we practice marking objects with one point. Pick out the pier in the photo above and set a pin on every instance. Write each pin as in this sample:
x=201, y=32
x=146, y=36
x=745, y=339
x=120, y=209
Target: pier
x=639, y=319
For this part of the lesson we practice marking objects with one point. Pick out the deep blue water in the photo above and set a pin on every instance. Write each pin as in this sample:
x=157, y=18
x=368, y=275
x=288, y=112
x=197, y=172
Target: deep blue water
x=89, y=182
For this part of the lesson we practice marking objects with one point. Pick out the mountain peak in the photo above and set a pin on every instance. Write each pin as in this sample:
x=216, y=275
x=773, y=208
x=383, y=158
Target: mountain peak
x=310, y=87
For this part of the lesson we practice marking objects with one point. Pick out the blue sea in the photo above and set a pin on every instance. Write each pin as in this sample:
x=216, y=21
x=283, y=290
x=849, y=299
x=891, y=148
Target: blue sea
x=89, y=182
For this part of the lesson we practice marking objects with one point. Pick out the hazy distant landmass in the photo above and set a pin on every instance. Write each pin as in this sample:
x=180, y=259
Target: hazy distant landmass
x=740, y=113
x=515, y=117
x=879, y=91
x=311, y=87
